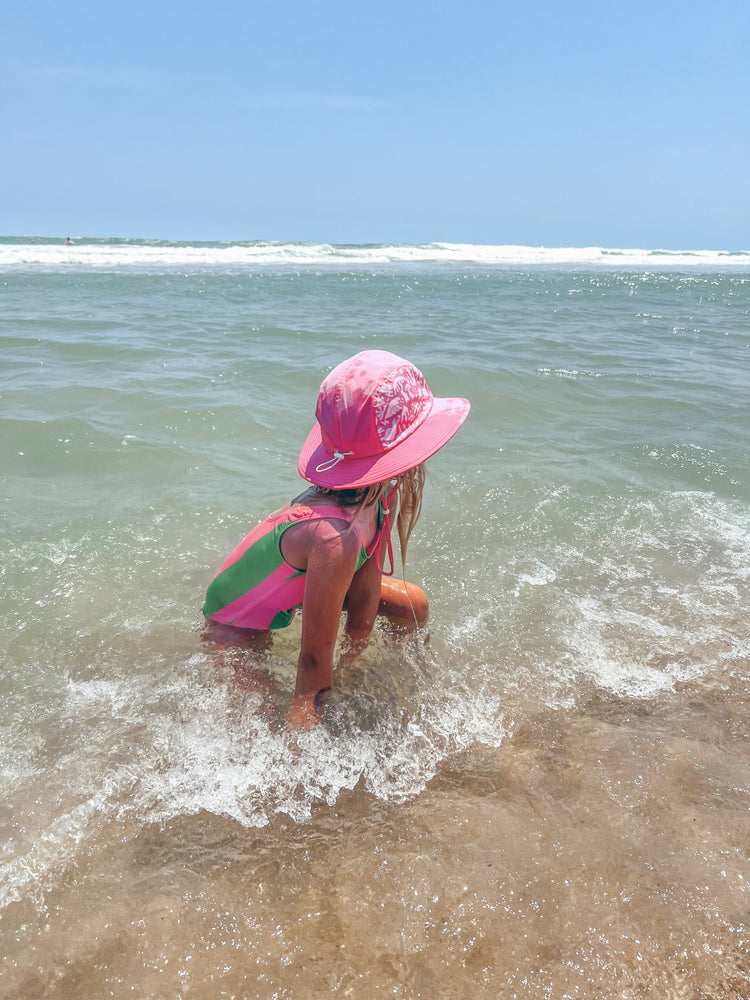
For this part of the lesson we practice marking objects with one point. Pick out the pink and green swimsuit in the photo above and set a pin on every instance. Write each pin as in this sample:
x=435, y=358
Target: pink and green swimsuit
x=256, y=587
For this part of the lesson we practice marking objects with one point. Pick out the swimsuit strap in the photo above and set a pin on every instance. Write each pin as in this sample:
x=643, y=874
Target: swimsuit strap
x=324, y=511
x=385, y=509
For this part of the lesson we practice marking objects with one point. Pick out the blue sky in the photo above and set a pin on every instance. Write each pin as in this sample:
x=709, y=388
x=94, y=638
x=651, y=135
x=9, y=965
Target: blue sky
x=538, y=123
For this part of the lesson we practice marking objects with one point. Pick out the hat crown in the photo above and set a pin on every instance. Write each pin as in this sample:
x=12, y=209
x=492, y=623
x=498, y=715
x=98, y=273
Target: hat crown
x=370, y=403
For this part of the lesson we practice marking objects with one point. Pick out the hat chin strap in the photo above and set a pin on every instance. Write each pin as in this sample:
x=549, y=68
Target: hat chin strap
x=338, y=456
x=385, y=529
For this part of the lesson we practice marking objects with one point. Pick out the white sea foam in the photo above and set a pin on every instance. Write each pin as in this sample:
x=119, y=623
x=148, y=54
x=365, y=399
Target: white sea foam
x=159, y=255
x=161, y=746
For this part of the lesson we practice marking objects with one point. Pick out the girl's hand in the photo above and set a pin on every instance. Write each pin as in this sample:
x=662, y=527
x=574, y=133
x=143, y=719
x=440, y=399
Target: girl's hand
x=304, y=710
x=303, y=714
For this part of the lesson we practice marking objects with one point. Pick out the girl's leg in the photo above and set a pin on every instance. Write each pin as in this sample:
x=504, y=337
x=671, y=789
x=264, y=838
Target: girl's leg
x=243, y=651
x=230, y=637
x=403, y=604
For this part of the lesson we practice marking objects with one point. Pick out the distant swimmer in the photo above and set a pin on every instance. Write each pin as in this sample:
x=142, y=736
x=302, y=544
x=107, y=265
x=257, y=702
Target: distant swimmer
x=69, y=242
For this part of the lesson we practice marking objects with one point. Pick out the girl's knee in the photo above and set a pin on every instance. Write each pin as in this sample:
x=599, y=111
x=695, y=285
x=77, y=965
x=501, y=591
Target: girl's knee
x=404, y=603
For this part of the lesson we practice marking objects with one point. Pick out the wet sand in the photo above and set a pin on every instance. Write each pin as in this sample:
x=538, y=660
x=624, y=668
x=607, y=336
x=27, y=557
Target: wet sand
x=600, y=852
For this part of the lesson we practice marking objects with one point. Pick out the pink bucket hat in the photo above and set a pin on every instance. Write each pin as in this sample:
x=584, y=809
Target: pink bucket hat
x=376, y=419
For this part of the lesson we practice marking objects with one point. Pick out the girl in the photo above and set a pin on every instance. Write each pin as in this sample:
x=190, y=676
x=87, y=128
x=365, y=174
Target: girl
x=377, y=422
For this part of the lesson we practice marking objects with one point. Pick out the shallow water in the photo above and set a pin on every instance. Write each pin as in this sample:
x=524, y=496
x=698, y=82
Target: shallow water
x=544, y=796
x=597, y=852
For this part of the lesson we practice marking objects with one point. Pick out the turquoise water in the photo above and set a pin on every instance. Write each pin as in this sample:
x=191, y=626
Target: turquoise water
x=585, y=544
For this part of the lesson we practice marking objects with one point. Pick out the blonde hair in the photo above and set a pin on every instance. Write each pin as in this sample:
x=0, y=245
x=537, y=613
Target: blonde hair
x=407, y=493
x=409, y=487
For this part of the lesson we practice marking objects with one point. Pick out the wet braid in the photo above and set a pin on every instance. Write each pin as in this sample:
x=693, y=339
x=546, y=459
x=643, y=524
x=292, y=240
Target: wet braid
x=410, y=485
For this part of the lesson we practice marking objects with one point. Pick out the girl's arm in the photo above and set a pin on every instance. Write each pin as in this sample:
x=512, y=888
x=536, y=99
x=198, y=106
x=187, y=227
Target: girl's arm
x=362, y=603
x=331, y=561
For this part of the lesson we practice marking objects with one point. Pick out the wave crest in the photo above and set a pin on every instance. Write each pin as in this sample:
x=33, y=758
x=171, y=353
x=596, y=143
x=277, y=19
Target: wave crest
x=161, y=255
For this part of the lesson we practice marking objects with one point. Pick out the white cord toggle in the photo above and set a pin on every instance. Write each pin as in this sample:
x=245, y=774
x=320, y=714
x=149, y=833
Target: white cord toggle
x=338, y=456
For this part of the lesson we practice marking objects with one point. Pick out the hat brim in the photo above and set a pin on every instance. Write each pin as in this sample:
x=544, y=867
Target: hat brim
x=444, y=419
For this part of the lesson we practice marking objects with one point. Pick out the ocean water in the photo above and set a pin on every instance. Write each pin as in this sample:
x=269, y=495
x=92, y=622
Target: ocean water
x=545, y=795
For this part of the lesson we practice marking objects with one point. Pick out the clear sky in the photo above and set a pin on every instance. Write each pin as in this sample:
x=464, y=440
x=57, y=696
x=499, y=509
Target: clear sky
x=619, y=124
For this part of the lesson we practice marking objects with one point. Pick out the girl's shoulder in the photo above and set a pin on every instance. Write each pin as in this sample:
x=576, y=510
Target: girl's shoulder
x=319, y=525
x=326, y=517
